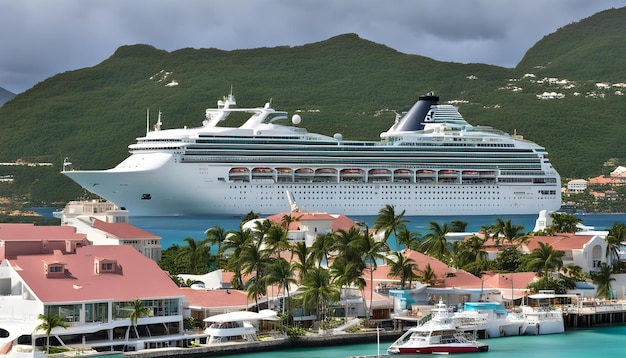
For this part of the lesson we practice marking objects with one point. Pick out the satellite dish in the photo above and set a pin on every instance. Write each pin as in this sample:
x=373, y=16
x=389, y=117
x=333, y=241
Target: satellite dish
x=338, y=136
x=296, y=119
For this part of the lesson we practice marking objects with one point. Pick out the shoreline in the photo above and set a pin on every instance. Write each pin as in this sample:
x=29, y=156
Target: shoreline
x=312, y=340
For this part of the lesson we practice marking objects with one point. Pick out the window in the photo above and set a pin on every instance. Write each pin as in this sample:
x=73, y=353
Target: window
x=106, y=266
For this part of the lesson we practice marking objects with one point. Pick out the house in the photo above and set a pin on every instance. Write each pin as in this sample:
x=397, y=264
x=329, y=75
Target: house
x=308, y=225
x=105, y=224
x=587, y=251
x=576, y=186
x=91, y=288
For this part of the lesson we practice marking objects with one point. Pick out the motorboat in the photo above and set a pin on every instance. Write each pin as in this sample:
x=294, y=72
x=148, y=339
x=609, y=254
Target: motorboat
x=439, y=335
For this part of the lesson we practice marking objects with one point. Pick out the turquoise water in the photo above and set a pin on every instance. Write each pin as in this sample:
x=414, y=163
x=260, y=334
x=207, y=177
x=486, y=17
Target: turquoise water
x=599, y=342
x=174, y=229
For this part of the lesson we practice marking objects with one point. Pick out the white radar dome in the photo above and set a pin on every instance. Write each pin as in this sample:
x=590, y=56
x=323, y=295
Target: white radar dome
x=296, y=119
x=338, y=136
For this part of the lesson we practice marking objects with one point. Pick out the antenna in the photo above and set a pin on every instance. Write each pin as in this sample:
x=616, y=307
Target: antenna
x=147, y=120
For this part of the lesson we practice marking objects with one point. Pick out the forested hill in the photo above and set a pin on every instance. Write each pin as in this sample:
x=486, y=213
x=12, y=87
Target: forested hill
x=345, y=84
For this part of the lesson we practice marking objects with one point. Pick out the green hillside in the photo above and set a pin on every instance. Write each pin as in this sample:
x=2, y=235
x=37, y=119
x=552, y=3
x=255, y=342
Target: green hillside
x=345, y=84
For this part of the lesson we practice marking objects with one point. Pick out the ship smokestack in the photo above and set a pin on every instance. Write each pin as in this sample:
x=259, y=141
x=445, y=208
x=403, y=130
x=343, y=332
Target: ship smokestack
x=416, y=116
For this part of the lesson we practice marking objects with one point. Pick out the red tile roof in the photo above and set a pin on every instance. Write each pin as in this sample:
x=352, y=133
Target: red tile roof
x=446, y=276
x=137, y=276
x=30, y=232
x=215, y=298
x=123, y=230
x=338, y=221
x=561, y=242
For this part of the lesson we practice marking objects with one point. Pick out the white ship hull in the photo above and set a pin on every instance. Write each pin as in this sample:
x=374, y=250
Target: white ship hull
x=433, y=171
x=197, y=189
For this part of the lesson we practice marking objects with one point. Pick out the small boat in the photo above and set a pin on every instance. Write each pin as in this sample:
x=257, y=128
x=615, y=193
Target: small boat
x=379, y=172
x=327, y=171
x=304, y=171
x=440, y=335
x=238, y=171
x=402, y=172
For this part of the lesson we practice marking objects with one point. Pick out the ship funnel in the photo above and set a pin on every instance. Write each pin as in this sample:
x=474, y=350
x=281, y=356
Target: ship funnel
x=418, y=114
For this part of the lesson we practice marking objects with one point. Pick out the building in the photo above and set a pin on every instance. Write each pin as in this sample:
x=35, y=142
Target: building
x=92, y=289
x=105, y=224
x=576, y=186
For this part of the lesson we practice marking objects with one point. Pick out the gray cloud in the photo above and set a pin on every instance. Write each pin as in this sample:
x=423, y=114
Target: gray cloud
x=41, y=38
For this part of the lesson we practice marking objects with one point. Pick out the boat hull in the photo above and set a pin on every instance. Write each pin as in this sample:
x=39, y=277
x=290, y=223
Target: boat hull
x=178, y=189
x=445, y=348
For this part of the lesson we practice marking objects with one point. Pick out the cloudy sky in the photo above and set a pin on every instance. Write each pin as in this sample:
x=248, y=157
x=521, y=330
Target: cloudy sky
x=40, y=38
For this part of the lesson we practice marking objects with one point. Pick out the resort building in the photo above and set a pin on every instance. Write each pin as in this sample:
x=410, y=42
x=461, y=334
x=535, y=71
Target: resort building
x=92, y=288
x=576, y=186
x=105, y=224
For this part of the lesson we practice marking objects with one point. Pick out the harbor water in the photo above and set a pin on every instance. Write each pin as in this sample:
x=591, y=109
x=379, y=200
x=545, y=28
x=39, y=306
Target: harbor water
x=596, y=342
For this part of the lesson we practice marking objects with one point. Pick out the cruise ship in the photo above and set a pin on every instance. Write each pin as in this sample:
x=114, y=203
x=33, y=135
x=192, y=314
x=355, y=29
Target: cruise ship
x=431, y=162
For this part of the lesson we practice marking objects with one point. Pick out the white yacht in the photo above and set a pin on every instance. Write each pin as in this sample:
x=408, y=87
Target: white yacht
x=431, y=162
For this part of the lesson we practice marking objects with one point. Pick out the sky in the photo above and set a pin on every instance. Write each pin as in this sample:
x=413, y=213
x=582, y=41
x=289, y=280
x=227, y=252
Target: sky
x=41, y=38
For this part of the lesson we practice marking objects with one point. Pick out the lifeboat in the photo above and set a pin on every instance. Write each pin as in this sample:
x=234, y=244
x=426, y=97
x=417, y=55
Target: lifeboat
x=402, y=172
x=352, y=172
x=425, y=172
x=326, y=171
x=304, y=171
x=379, y=172
x=283, y=170
x=447, y=172
x=261, y=170
x=238, y=171
x=470, y=173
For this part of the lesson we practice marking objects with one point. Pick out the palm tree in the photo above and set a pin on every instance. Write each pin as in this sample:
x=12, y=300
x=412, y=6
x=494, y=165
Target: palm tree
x=282, y=272
x=344, y=273
x=195, y=253
x=287, y=219
x=402, y=266
x=603, y=279
x=255, y=260
x=436, y=243
x=276, y=239
x=235, y=242
x=545, y=259
x=564, y=223
x=389, y=222
x=304, y=260
x=371, y=251
x=509, y=231
x=410, y=240
x=48, y=323
x=617, y=235
x=217, y=236
x=137, y=310
x=317, y=290
x=322, y=246
x=428, y=276
x=458, y=226
x=346, y=245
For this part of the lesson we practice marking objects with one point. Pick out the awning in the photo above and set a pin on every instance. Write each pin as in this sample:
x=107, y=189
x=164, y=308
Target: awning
x=267, y=315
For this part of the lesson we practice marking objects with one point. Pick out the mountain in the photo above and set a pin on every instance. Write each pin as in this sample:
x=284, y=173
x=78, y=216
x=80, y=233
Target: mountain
x=345, y=84
x=5, y=96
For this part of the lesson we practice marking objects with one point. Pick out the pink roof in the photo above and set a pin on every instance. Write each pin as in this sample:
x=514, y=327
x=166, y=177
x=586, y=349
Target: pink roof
x=561, y=242
x=338, y=221
x=215, y=298
x=123, y=230
x=30, y=232
x=137, y=276
x=516, y=280
x=446, y=276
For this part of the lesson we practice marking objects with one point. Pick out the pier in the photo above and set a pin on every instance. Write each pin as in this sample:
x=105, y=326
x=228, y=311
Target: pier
x=592, y=313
